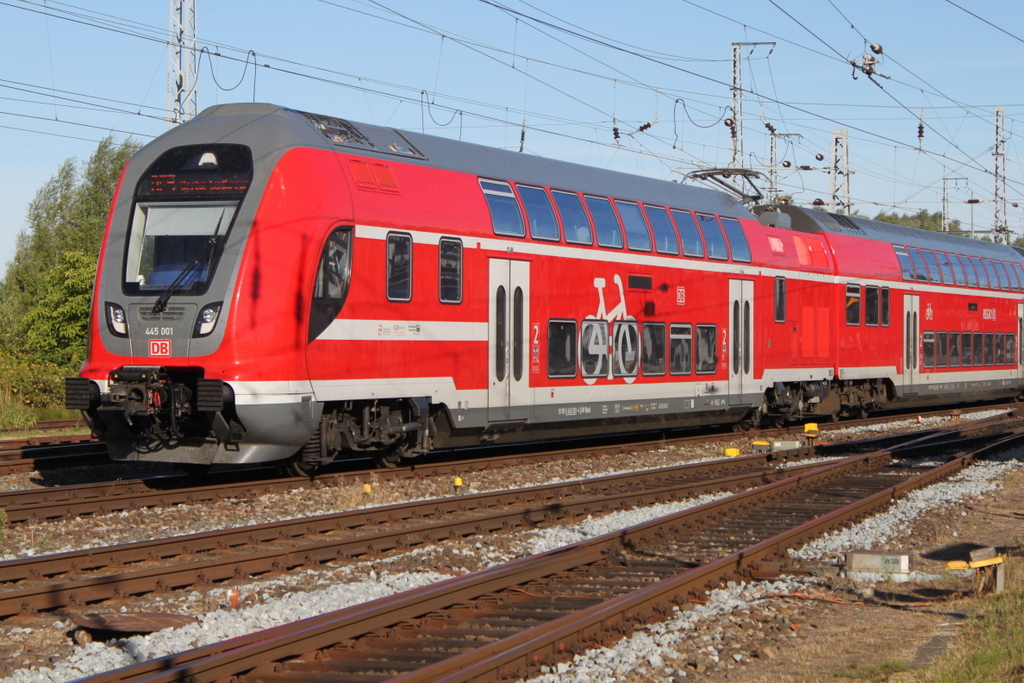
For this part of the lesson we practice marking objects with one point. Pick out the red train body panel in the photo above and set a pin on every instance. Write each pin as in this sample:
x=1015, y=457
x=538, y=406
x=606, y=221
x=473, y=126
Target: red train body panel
x=275, y=284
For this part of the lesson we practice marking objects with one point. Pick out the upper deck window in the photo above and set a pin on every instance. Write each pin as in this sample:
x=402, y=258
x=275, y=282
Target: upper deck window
x=693, y=245
x=505, y=215
x=609, y=232
x=920, y=272
x=665, y=240
x=737, y=240
x=980, y=269
x=713, y=236
x=945, y=268
x=543, y=225
x=972, y=277
x=637, y=236
x=933, y=266
x=574, y=217
x=958, y=269
x=1004, y=277
x=993, y=277
x=906, y=269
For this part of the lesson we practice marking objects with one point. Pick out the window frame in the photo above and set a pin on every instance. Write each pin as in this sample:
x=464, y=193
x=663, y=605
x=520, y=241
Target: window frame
x=603, y=358
x=734, y=235
x=628, y=212
x=699, y=359
x=591, y=201
x=683, y=233
x=574, y=361
x=619, y=369
x=684, y=333
x=502, y=189
x=407, y=237
x=780, y=299
x=872, y=308
x=667, y=228
x=550, y=212
x=708, y=223
x=647, y=368
x=440, y=271
x=848, y=308
x=555, y=195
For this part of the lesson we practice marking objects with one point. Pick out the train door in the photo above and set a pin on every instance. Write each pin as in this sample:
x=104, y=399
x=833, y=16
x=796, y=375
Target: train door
x=508, y=395
x=911, y=335
x=741, y=345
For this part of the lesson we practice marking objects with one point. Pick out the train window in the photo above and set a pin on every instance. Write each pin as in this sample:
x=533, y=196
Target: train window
x=780, y=299
x=713, y=236
x=332, y=281
x=941, y=349
x=609, y=232
x=737, y=240
x=561, y=348
x=574, y=218
x=1000, y=348
x=399, y=266
x=972, y=277
x=653, y=357
x=1011, y=348
x=954, y=349
x=1004, y=277
x=966, y=359
x=707, y=349
x=885, y=307
x=594, y=348
x=543, y=225
x=680, y=349
x=993, y=277
x=906, y=269
x=980, y=269
x=933, y=266
x=506, y=218
x=638, y=237
x=979, y=349
x=665, y=240
x=990, y=348
x=946, y=268
x=920, y=272
x=501, y=335
x=958, y=269
x=625, y=348
x=870, y=305
x=928, y=350
x=1012, y=271
x=449, y=268
x=693, y=245
x=853, y=304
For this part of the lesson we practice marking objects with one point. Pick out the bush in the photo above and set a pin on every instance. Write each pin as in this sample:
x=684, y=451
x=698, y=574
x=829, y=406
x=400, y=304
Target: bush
x=36, y=385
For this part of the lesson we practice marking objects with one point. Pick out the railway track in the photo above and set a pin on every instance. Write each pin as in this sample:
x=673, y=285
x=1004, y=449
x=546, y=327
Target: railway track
x=507, y=621
x=108, y=497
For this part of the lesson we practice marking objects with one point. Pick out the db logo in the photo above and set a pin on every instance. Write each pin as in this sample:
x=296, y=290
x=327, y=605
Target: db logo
x=159, y=347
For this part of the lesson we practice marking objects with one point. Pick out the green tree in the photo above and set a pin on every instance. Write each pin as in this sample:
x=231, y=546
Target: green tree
x=923, y=219
x=57, y=328
x=44, y=294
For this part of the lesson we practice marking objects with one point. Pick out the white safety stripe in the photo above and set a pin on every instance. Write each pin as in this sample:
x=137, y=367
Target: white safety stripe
x=344, y=329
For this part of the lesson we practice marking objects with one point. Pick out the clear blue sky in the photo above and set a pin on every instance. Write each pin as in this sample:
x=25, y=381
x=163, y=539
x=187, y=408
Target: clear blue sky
x=74, y=72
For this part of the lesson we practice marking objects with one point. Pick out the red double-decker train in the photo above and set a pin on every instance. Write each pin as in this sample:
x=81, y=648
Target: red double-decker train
x=281, y=285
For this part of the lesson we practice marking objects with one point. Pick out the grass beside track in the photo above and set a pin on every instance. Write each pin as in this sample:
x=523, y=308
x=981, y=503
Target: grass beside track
x=991, y=645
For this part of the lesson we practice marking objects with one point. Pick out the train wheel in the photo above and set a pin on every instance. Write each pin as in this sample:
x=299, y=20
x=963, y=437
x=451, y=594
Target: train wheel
x=295, y=467
x=388, y=459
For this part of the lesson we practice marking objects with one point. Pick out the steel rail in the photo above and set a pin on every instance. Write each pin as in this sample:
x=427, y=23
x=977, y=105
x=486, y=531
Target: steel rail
x=253, y=657
x=473, y=515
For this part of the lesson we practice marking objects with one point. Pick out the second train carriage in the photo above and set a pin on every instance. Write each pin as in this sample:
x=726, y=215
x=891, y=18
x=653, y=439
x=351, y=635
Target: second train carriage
x=275, y=284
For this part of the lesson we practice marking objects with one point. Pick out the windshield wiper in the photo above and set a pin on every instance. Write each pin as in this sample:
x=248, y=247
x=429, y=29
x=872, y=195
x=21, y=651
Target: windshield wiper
x=161, y=303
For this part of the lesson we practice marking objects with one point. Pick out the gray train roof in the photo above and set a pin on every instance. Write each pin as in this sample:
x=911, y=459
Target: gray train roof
x=269, y=130
x=812, y=220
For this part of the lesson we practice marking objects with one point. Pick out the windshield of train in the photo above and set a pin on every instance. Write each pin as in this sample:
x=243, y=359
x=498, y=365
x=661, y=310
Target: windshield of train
x=184, y=207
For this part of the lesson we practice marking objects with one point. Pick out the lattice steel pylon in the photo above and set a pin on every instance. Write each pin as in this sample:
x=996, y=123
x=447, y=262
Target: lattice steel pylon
x=839, y=173
x=182, y=63
x=1002, y=230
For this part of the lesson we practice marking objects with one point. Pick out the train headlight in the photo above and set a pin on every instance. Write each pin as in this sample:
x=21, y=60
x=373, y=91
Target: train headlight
x=207, y=319
x=117, y=321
